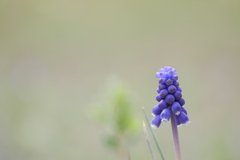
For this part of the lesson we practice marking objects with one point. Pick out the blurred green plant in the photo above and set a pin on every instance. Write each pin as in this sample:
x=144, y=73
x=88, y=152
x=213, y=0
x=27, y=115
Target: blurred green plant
x=118, y=119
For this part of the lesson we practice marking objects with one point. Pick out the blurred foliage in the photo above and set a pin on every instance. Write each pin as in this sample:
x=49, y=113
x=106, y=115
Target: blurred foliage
x=117, y=117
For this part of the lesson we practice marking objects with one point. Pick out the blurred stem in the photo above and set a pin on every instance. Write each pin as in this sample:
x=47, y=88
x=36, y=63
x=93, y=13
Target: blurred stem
x=128, y=152
x=153, y=134
x=148, y=141
x=175, y=136
x=123, y=151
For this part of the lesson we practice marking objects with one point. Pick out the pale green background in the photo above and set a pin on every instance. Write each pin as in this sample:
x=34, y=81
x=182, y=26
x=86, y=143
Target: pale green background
x=56, y=57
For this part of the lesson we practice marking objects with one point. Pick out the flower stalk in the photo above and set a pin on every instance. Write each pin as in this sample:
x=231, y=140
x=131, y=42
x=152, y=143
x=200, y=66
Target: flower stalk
x=175, y=137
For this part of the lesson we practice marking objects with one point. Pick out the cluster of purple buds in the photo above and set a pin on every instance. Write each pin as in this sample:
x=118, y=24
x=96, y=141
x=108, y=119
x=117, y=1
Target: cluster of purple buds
x=169, y=98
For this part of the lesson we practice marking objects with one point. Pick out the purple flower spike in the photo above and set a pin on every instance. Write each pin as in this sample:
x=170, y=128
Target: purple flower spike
x=156, y=111
x=156, y=121
x=165, y=115
x=169, y=98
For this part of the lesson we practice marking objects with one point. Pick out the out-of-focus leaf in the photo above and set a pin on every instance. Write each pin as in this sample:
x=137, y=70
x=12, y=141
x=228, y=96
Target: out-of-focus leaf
x=116, y=116
x=112, y=141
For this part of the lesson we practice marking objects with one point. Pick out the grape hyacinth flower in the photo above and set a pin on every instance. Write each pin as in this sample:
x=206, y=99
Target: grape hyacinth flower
x=169, y=97
x=170, y=104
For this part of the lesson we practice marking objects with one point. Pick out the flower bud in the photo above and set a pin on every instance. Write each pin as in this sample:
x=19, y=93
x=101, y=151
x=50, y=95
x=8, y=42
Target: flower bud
x=156, y=111
x=178, y=123
x=157, y=75
x=161, y=80
x=163, y=93
x=165, y=115
x=184, y=110
x=175, y=77
x=177, y=95
x=182, y=117
x=181, y=101
x=156, y=121
x=179, y=89
x=172, y=89
x=162, y=105
x=176, y=108
x=162, y=86
x=169, y=82
x=158, y=98
x=176, y=83
x=162, y=75
x=169, y=99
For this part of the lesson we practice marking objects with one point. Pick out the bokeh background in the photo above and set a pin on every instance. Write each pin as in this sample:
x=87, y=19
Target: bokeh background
x=56, y=58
